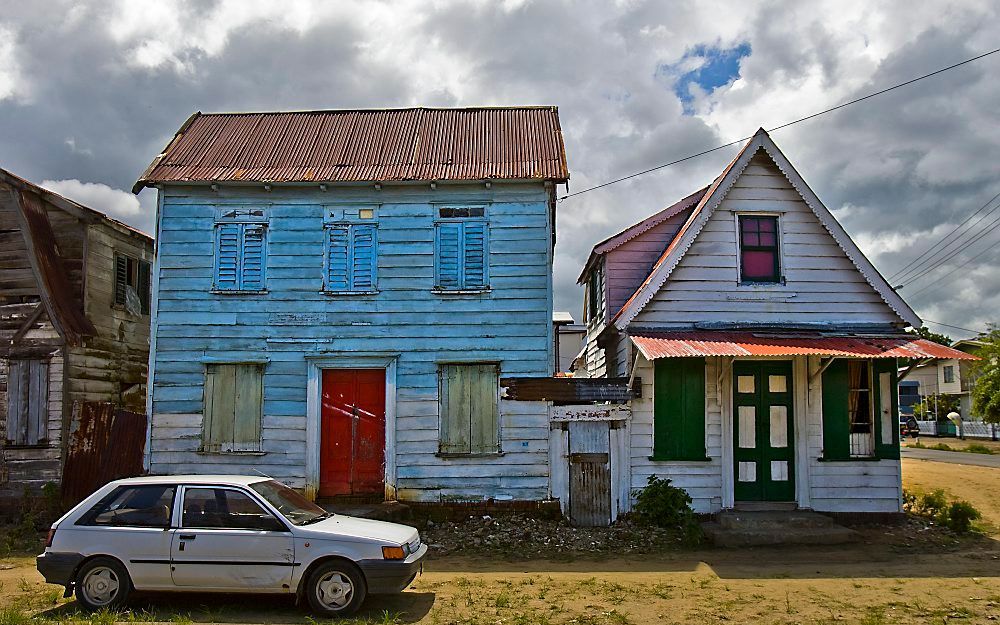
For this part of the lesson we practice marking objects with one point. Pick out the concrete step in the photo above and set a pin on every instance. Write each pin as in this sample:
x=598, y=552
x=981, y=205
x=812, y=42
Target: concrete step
x=383, y=511
x=727, y=537
x=772, y=519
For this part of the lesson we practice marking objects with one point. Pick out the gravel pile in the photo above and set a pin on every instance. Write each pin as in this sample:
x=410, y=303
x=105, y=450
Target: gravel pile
x=521, y=537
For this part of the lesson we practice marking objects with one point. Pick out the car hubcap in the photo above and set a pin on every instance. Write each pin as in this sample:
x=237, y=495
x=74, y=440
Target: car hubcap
x=100, y=587
x=335, y=590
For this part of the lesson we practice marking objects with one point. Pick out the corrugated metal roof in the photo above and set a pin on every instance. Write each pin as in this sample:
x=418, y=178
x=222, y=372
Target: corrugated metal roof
x=514, y=143
x=739, y=344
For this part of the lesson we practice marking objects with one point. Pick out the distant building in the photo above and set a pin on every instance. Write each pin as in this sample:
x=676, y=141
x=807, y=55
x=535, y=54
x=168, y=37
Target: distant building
x=569, y=340
x=947, y=377
x=74, y=331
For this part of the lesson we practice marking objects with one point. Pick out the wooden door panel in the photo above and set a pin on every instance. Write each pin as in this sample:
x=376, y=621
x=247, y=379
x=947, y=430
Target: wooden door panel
x=763, y=442
x=590, y=474
x=352, y=432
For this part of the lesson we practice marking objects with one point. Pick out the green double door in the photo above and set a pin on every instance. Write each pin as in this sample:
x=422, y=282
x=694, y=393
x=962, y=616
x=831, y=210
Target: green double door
x=763, y=438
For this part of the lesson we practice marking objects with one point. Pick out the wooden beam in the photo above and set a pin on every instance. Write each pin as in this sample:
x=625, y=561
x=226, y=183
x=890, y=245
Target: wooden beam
x=28, y=323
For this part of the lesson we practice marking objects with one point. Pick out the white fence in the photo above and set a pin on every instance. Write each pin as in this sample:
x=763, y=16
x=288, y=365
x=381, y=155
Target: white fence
x=967, y=429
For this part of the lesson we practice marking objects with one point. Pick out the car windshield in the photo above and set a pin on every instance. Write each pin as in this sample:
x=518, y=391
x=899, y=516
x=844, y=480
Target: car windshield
x=293, y=506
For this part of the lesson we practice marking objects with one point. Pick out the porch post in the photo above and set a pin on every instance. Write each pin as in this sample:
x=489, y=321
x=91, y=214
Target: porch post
x=800, y=377
x=725, y=395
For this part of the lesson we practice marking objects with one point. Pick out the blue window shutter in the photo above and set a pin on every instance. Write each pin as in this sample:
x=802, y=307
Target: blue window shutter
x=474, y=255
x=252, y=266
x=338, y=253
x=449, y=255
x=363, y=257
x=227, y=256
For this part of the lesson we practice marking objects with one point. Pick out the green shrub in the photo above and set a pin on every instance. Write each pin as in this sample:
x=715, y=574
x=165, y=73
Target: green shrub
x=979, y=448
x=941, y=447
x=667, y=506
x=957, y=516
x=960, y=515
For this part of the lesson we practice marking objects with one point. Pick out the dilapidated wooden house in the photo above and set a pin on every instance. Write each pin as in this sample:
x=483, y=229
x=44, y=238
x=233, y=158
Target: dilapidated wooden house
x=74, y=335
x=766, y=344
x=339, y=294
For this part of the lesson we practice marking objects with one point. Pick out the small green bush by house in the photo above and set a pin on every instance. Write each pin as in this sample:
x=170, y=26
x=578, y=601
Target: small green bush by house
x=979, y=448
x=667, y=506
x=957, y=516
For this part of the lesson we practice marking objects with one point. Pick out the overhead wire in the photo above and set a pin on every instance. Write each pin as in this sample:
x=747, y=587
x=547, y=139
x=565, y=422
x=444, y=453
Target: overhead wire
x=992, y=226
x=785, y=125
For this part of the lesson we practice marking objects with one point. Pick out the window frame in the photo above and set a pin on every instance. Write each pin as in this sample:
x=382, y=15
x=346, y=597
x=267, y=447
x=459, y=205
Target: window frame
x=483, y=219
x=134, y=268
x=350, y=225
x=597, y=292
x=855, y=439
x=242, y=217
x=779, y=278
x=182, y=494
x=208, y=425
x=87, y=519
x=443, y=400
x=948, y=373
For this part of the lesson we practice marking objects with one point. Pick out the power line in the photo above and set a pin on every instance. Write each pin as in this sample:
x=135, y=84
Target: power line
x=917, y=263
x=966, y=263
x=993, y=225
x=785, y=125
x=954, y=327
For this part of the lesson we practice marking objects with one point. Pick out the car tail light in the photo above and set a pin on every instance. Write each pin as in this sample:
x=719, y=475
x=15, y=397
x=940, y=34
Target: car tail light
x=48, y=539
x=393, y=553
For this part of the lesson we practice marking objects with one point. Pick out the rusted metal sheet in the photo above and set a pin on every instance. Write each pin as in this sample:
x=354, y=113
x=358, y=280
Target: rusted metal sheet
x=365, y=145
x=62, y=300
x=106, y=445
x=570, y=390
x=590, y=412
x=738, y=344
x=589, y=474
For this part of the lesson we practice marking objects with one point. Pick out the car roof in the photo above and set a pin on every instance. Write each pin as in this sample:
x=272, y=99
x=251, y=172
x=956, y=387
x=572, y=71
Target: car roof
x=233, y=480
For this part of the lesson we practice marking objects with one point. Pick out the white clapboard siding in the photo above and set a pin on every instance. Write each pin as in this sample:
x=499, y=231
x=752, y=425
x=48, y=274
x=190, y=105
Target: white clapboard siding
x=822, y=284
x=511, y=325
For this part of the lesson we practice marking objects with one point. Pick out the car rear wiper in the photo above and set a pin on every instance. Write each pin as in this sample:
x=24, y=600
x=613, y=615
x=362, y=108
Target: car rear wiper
x=318, y=518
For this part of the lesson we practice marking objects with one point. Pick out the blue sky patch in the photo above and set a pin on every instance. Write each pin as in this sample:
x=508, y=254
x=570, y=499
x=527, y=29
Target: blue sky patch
x=709, y=67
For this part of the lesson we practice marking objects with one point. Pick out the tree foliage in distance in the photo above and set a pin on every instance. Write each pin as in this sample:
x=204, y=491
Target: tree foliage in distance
x=942, y=403
x=986, y=392
x=926, y=333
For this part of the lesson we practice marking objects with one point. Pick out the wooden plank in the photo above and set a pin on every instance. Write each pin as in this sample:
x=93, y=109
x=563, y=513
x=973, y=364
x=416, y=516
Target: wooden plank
x=248, y=405
x=483, y=406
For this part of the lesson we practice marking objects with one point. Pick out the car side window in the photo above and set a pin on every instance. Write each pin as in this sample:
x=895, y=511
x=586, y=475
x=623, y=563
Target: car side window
x=224, y=508
x=134, y=506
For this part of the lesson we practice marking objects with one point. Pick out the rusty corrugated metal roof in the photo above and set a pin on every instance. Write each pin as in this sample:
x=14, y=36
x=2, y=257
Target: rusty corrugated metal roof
x=513, y=143
x=740, y=344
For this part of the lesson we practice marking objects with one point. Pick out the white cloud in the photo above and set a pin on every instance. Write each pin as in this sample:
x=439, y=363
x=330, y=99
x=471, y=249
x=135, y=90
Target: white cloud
x=12, y=84
x=116, y=203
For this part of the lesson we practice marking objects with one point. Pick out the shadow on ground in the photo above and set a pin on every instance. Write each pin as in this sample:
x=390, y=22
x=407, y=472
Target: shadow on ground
x=407, y=607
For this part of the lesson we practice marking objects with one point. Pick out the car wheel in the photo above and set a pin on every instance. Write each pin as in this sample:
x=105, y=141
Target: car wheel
x=336, y=588
x=102, y=583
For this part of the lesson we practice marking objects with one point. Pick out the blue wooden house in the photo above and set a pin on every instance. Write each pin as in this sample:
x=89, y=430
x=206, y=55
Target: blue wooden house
x=339, y=292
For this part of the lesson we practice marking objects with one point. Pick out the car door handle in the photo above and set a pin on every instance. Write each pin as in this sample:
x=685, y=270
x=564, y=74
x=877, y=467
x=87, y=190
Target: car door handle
x=188, y=536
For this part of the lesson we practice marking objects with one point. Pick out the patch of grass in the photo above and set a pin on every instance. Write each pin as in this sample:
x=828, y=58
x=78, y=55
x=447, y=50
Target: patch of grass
x=979, y=448
x=874, y=615
x=13, y=615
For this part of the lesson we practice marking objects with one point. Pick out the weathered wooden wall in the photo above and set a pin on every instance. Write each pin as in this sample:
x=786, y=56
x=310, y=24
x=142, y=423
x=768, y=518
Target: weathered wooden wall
x=111, y=366
x=294, y=319
x=823, y=285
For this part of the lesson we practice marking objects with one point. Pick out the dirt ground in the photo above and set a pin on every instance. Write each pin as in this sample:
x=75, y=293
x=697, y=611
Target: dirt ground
x=886, y=579
x=955, y=443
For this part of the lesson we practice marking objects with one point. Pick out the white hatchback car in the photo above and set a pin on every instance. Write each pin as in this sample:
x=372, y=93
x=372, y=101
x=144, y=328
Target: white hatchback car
x=224, y=533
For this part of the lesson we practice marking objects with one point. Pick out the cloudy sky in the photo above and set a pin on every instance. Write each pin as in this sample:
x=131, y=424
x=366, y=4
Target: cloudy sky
x=90, y=92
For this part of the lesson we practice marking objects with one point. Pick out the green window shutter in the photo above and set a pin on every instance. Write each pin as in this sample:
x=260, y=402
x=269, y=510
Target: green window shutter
x=455, y=410
x=886, y=392
x=679, y=409
x=836, y=421
x=483, y=392
x=249, y=396
x=469, y=411
x=121, y=278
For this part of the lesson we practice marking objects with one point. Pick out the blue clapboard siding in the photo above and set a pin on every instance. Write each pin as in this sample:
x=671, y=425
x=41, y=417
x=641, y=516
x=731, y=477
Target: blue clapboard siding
x=510, y=324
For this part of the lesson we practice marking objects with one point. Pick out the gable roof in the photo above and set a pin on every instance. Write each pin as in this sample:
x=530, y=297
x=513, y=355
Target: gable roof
x=626, y=235
x=376, y=145
x=672, y=255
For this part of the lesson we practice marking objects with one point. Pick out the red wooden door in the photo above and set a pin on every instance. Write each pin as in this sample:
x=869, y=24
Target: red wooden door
x=352, y=426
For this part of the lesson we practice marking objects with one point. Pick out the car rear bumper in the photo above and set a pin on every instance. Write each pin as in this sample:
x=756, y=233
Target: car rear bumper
x=58, y=568
x=391, y=576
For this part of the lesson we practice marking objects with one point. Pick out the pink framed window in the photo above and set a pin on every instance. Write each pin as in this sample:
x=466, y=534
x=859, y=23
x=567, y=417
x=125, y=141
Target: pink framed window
x=759, y=249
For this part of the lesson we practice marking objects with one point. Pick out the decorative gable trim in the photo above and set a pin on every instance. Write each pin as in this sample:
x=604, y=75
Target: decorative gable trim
x=703, y=212
x=615, y=241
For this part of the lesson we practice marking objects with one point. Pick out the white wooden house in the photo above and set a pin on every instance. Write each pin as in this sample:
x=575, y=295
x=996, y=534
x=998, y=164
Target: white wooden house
x=766, y=346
